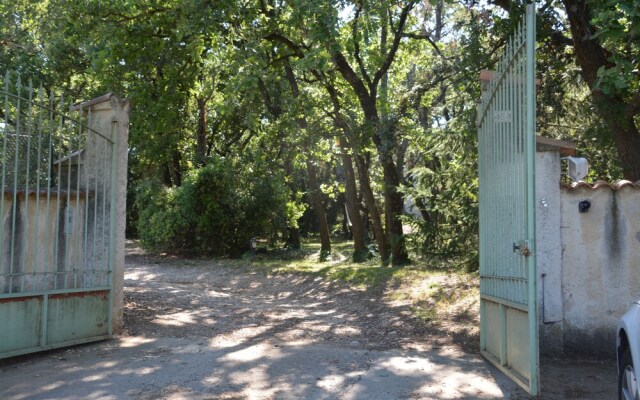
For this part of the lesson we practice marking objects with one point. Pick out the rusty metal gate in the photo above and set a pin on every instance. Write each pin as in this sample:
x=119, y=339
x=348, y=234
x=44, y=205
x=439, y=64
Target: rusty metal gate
x=57, y=214
x=506, y=160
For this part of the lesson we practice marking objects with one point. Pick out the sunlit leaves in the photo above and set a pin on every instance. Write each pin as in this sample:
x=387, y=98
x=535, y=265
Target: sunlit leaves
x=618, y=24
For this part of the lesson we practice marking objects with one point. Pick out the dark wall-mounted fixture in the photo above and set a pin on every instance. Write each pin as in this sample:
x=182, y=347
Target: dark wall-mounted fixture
x=584, y=206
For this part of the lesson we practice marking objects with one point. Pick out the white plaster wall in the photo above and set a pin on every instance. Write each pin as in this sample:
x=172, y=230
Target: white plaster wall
x=549, y=251
x=548, y=236
x=600, y=264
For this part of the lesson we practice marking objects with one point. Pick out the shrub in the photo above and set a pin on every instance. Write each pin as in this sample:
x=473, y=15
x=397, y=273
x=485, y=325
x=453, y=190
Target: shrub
x=216, y=211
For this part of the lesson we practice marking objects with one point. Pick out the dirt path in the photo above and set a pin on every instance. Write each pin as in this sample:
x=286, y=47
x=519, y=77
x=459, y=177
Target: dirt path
x=201, y=330
x=193, y=299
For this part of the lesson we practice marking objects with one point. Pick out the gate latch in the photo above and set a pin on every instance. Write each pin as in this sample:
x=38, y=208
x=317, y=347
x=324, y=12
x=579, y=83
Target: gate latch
x=522, y=247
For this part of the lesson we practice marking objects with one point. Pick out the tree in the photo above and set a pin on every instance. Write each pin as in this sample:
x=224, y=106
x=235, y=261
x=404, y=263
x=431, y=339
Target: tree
x=605, y=42
x=366, y=86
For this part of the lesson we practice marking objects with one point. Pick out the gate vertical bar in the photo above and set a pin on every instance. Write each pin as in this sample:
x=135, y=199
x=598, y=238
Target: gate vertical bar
x=85, y=259
x=27, y=168
x=5, y=132
x=15, y=185
x=531, y=195
x=115, y=142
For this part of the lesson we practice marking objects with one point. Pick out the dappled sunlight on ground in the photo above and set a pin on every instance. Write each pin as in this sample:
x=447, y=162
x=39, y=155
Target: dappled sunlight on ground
x=174, y=368
x=176, y=319
x=253, y=353
x=133, y=341
x=197, y=330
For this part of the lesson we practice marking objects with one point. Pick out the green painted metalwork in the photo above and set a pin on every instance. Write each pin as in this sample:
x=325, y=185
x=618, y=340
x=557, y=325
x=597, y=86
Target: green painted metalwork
x=57, y=219
x=506, y=164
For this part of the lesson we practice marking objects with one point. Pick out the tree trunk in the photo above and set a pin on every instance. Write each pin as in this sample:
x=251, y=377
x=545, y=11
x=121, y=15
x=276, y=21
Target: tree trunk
x=166, y=174
x=401, y=153
x=292, y=239
x=314, y=185
x=367, y=92
x=393, y=210
x=618, y=114
x=360, y=251
x=367, y=193
x=316, y=200
x=177, y=168
x=201, y=133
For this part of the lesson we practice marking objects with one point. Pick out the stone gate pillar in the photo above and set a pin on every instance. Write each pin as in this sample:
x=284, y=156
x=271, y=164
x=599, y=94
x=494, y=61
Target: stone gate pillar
x=109, y=116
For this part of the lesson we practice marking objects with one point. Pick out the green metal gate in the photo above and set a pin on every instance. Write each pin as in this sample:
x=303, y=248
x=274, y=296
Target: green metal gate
x=506, y=147
x=56, y=250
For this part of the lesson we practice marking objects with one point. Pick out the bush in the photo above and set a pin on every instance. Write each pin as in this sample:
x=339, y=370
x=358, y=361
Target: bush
x=216, y=211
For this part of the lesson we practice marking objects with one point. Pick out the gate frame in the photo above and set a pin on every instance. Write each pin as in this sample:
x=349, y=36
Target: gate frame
x=107, y=117
x=531, y=308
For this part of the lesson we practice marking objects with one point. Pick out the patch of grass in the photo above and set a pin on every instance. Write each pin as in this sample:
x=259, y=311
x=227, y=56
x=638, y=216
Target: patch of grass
x=337, y=265
x=369, y=274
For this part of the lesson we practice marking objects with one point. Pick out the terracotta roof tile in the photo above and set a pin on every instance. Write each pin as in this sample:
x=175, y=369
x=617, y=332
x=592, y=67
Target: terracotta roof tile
x=603, y=184
x=624, y=183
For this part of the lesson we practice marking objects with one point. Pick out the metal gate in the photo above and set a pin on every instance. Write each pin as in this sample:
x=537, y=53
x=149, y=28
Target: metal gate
x=56, y=252
x=506, y=147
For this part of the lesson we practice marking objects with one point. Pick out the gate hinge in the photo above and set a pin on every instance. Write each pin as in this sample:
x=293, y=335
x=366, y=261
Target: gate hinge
x=523, y=247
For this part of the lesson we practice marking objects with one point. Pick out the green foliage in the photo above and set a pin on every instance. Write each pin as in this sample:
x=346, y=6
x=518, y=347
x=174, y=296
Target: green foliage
x=217, y=152
x=618, y=24
x=216, y=211
x=445, y=188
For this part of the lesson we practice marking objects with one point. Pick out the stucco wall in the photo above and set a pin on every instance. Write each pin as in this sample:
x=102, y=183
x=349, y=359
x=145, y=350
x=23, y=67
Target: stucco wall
x=110, y=115
x=600, y=263
x=588, y=262
x=549, y=251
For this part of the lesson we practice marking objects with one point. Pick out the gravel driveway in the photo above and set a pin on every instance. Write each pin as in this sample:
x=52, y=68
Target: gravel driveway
x=203, y=330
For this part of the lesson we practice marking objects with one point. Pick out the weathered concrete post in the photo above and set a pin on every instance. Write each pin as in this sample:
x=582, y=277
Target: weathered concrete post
x=109, y=116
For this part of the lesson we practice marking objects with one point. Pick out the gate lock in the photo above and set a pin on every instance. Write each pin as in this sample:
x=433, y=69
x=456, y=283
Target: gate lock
x=522, y=247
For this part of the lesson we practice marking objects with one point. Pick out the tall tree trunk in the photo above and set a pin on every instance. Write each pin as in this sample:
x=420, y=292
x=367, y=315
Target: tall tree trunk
x=177, y=168
x=401, y=153
x=201, y=133
x=166, y=174
x=615, y=111
x=360, y=251
x=292, y=239
x=393, y=210
x=292, y=235
x=437, y=35
x=370, y=201
x=358, y=230
x=314, y=185
x=366, y=89
x=316, y=200
x=384, y=82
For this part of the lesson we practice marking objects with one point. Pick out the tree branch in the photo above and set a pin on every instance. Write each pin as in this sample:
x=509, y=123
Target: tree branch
x=356, y=47
x=127, y=18
x=394, y=46
x=365, y=98
x=278, y=37
x=273, y=109
x=504, y=4
x=426, y=37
